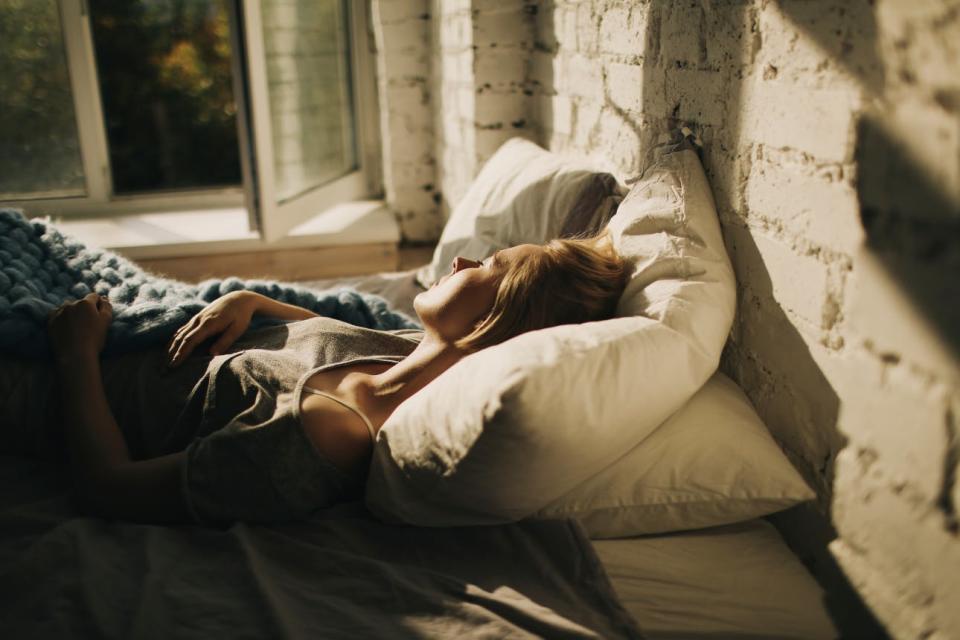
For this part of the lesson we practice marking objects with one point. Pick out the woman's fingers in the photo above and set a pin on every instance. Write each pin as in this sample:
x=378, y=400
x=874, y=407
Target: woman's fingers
x=189, y=340
x=178, y=335
x=223, y=343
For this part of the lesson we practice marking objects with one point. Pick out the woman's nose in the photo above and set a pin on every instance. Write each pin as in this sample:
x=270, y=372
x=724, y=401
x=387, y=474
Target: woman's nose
x=459, y=264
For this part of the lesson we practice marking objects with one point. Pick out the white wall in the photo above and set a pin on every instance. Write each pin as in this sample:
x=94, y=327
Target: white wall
x=831, y=134
x=402, y=30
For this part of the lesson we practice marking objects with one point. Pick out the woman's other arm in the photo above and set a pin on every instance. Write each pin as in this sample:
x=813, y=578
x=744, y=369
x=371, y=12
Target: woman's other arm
x=108, y=482
x=228, y=317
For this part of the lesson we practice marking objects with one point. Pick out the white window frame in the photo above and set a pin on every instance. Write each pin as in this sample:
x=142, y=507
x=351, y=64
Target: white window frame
x=274, y=219
x=100, y=201
x=271, y=221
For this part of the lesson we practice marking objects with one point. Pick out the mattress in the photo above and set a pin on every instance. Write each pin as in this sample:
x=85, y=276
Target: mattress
x=736, y=581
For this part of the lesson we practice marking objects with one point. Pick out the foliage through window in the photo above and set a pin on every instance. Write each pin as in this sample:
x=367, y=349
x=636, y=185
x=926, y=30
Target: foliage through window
x=121, y=105
x=165, y=84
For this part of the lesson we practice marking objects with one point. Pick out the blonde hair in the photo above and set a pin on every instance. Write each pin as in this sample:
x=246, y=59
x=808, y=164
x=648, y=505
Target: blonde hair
x=569, y=281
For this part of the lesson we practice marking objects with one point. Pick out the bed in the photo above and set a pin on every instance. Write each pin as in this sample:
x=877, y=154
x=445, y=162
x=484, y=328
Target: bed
x=349, y=573
x=345, y=574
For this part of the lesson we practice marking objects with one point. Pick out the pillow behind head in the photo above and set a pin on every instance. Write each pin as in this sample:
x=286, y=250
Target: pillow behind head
x=523, y=194
x=513, y=428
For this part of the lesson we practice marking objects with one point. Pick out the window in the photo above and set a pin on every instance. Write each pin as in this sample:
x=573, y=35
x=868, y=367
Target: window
x=120, y=106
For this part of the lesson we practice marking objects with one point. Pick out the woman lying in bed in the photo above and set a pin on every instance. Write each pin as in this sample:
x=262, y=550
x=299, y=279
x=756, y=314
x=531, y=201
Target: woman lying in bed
x=282, y=421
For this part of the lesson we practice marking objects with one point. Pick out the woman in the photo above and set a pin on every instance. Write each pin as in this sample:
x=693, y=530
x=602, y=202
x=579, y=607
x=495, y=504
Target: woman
x=283, y=422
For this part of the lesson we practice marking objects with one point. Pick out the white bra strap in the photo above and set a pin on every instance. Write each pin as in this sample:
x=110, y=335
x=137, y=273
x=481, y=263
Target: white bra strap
x=366, y=421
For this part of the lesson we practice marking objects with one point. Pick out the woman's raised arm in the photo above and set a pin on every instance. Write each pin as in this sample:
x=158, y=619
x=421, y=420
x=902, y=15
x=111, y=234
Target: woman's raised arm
x=228, y=317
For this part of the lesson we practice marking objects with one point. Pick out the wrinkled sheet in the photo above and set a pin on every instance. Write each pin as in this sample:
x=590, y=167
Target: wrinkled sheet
x=340, y=575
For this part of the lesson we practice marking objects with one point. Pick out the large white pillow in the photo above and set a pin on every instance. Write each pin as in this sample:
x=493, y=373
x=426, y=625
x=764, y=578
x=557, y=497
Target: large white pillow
x=711, y=463
x=513, y=428
x=523, y=194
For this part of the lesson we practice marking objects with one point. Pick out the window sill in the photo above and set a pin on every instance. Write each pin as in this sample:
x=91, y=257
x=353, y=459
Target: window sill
x=350, y=239
x=221, y=231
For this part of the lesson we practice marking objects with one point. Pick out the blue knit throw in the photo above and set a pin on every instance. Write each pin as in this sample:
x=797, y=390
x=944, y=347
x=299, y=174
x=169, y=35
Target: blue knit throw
x=40, y=268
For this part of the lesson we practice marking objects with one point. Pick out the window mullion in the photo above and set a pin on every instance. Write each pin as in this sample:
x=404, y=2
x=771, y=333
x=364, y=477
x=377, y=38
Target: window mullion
x=86, y=94
x=365, y=99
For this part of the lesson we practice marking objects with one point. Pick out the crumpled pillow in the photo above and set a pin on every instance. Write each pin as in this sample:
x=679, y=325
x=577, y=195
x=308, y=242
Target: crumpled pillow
x=514, y=428
x=523, y=194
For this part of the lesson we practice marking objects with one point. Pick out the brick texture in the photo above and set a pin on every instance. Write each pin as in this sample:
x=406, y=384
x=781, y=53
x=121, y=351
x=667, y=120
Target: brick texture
x=831, y=135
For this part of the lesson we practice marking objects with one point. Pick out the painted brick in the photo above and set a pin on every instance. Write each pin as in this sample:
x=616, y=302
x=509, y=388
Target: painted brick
x=401, y=38
x=503, y=29
x=618, y=142
x=564, y=27
x=922, y=130
x=923, y=45
x=727, y=34
x=583, y=77
x=792, y=56
x=501, y=110
x=770, y=268
x=588, y=29
x=901, y=420
x=488, y=141
x=818, y=122
x=413, y=67
x=541, y=71
x=623, y=30
x=466, y=106
x=500, y=69
x=586, y=116
x=681, y=28
x=698, y=96
x=817, y=205
x=625, y=86
x=866, y=518
x=879, y=311
x=391, y=11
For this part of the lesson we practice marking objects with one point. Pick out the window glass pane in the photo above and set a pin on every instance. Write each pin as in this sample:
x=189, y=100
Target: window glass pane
x=307, y=53
x=167, y=95
x=39, y=147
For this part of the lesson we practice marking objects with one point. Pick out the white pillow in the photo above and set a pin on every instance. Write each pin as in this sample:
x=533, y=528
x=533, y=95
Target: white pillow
x=513, y=428
x=523, y=194
x=711, y=463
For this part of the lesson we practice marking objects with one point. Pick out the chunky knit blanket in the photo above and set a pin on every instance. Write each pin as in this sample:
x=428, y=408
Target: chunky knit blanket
x=41, y=268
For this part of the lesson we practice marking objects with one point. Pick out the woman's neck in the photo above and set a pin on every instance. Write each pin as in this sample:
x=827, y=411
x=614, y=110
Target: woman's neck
x=385, y=391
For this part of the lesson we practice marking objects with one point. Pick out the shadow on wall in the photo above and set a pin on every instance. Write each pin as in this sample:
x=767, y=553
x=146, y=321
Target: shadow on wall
x=694, y=62
x=846, y=33
x=912, y=227
x=766, y=354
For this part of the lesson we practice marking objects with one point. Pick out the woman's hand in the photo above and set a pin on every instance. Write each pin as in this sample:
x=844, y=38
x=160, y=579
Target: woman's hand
x=228, y=317
x=79, y=328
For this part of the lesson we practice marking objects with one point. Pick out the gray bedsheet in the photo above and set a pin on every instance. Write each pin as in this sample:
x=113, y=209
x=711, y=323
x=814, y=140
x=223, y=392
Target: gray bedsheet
x=340, y=575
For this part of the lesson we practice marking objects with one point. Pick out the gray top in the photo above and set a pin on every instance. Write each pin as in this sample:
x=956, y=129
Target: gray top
x=249, y=458
x=236, y=415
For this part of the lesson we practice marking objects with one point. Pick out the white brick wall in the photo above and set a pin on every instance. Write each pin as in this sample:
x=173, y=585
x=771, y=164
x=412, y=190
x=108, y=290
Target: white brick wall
x=795, y=102
x=402, y=31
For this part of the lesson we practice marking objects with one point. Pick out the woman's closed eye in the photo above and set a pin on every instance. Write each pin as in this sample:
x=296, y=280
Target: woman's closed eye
x=491, y=261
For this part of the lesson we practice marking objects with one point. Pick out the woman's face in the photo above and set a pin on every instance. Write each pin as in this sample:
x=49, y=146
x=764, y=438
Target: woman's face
x=459, y=300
